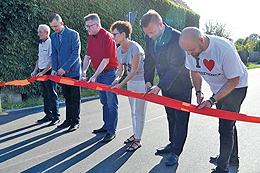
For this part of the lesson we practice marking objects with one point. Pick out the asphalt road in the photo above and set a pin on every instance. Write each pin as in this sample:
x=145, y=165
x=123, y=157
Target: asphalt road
x=28, y=147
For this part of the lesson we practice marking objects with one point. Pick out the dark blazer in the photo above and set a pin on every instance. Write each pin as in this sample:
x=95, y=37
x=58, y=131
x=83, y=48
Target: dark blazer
x=66, y=55
x=169, y=61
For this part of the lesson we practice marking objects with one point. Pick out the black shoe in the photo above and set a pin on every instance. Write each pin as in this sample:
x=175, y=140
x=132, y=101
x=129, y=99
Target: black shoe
x=44, y=119
x=166, y=149
x=232, y=162
x=101, y=130
x=218, y=171
x=64, y=124
x=172, y=159
x=108, y=137
x=213, y=170
x=54, y=122
x=73, y=127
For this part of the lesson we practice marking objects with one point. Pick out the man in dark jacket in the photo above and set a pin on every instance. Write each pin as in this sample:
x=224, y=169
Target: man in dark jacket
x=164, y=53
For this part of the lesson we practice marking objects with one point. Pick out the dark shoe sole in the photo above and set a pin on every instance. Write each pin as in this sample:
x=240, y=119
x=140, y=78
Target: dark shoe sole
x=54, y=123
x=164, y=151
x=100, y=131
x=167, y=164
x=214, y=160
x=72, y=130
x=106, y=141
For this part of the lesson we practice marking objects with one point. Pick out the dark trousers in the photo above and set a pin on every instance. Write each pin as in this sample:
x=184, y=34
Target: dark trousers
x=178, y=122
x=227, y=128
x=50, y=98
x=72, y=101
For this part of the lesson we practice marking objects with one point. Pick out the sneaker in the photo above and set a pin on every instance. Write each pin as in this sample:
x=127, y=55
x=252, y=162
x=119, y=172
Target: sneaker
x=232, y=162
x=44, y=119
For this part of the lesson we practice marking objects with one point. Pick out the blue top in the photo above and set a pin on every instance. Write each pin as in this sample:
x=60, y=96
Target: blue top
x=66, y=55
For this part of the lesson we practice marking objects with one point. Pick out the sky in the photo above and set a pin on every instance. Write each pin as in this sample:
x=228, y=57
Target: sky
x=241, y=17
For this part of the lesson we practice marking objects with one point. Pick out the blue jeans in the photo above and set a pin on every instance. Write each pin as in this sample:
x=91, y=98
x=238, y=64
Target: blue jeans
x=109, y=101
x=50, y=98
x=227, y=128
x=72, y=101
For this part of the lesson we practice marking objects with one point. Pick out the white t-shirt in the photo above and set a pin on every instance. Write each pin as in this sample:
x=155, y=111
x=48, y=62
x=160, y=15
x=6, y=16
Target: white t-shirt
x=218, y=63
x=44, y=54
x=126, y=59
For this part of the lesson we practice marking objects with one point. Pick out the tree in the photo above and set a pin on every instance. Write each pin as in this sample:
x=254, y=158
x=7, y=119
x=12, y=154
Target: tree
x=240, y=41
x=216, y=28
x=257, y=46
x=251, y=43
x=252, y=40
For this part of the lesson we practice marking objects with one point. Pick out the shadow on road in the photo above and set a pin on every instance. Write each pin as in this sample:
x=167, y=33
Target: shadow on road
x=112, y=163
x=20, y=113
x=62, y=166
x=161, y=167
x=25, y=142
x=12, y=152
x=15, y=131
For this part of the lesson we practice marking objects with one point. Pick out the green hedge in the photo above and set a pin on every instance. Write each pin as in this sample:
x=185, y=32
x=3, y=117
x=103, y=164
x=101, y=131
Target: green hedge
x=19, y=20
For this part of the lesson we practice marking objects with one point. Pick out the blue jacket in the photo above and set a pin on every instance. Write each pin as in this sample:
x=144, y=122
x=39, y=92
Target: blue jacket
x=169, y=61
x=66, y=55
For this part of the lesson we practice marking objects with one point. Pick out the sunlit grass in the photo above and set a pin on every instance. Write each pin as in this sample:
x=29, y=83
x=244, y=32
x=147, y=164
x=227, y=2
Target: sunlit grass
x=252, y=66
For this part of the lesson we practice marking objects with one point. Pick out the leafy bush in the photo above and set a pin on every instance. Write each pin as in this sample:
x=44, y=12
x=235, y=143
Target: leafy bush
x=19, y=20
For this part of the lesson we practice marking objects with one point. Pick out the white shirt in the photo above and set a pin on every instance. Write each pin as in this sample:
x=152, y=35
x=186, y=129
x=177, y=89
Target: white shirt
x=44, y=54
x=218, y=63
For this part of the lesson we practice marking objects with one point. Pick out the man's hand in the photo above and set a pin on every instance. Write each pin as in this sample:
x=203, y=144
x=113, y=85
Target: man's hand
x=39, y=74
x=83, y=76
x=154, y=90
x=116, y=86
x=53, y=73
x=33, y=73
x=200, y=97
x=116, y=81
x=61, y=72
x=92, y=79
x=206, y=103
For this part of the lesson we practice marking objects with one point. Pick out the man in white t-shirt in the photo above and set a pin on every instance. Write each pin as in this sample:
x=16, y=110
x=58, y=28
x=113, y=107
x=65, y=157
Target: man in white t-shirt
x=217, y=61
x=49, y=88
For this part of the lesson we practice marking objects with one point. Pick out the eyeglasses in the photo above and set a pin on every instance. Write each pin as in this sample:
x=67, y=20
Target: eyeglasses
x=116, y=34
x=88, y=26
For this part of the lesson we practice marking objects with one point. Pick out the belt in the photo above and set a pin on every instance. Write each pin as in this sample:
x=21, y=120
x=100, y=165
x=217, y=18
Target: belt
x=108, y=70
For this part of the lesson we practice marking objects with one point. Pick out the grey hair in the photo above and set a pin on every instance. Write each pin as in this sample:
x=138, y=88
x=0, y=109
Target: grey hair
x=94, y=17
x=45, y=28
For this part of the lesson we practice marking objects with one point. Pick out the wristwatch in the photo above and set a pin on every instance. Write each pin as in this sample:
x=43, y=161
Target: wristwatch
x=214, y=101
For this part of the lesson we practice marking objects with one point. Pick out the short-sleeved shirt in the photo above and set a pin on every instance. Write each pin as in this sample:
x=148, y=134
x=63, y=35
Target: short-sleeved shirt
x=127, y=57
x=102, y=46
x=218, y=63
x=44, y=54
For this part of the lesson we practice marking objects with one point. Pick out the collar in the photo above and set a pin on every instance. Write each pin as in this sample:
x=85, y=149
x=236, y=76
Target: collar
x=162, y=33
x=42, y=42
x=62, y=30
x=102, y=30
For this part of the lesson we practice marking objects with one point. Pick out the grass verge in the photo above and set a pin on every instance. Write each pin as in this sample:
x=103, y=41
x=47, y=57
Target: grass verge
x=7, y=104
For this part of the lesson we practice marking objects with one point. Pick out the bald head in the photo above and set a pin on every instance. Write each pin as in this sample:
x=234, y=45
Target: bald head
x=189, y=37
x=192, y=41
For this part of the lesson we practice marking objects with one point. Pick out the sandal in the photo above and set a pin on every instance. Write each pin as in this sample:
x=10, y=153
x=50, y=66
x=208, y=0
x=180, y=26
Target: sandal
x=130, y=139
x=134, y=146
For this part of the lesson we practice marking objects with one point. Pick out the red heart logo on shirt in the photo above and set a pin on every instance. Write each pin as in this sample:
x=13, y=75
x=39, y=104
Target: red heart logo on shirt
x=209, y=64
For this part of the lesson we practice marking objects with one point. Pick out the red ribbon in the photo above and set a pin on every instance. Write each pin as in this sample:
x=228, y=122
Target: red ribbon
x=148, y=97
